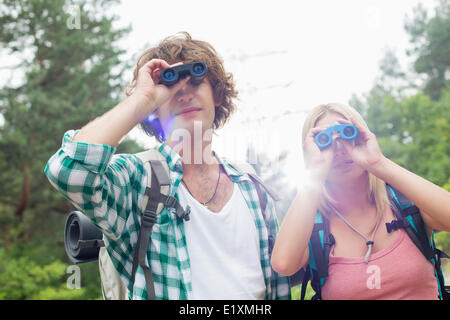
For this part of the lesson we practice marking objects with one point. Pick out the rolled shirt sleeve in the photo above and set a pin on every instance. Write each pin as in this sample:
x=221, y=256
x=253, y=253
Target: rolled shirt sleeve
x=106, y=187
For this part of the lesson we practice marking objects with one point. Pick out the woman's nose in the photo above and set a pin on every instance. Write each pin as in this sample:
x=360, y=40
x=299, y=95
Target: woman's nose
x=338, y=143
x=335, y=137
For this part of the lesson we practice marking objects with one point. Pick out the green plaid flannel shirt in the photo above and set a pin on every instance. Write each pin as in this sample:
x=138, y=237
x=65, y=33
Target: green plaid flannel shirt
x=110, y=188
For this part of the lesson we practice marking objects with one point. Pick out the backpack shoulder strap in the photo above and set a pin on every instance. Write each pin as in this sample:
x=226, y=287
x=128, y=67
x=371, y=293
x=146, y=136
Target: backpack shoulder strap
x=246, y=168
x=320, y=245
x=156, y=198
x=152, y=159
x=409, y=218
x=158, y=173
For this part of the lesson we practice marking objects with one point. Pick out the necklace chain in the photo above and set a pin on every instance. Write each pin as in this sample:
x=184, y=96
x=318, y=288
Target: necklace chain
x=369, y=241
x=212, y=197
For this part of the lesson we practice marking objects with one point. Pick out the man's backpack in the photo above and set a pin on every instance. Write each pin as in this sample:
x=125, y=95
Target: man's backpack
x=84, y=241
x=156, y=198
x=407, y=216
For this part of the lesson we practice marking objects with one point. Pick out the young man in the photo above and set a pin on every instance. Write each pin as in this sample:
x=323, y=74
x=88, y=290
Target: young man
x=222, y=252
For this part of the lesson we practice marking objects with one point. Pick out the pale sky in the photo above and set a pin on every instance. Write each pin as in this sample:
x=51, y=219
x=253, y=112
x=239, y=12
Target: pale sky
x=286, y=57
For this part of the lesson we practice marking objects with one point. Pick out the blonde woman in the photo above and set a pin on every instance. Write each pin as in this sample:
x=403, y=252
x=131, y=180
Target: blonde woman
x=347, y=187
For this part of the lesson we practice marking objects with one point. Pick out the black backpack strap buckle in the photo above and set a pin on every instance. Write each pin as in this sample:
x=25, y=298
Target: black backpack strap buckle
x=183, y=213
x=170, y=202
x=395, y=225
x=148, y=218
x=329, y=242
x=438, y=254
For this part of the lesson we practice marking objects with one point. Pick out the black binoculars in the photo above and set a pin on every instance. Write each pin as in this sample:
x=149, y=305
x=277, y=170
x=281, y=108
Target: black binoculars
x=197, y=71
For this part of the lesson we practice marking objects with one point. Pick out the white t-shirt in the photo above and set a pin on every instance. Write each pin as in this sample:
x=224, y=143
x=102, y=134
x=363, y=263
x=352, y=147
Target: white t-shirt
x=223, y=250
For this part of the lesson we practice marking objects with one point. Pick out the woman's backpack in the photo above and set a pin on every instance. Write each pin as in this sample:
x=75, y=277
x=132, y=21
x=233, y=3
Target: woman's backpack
x=408, y=217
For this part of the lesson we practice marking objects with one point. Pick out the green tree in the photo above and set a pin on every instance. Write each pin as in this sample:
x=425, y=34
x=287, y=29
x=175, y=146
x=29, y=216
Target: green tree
x=412, y=122
x=409, y=110
x=430, y=38
x=72, y=73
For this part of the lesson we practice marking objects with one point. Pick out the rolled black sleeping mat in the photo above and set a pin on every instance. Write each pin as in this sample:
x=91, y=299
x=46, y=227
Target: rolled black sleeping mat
x=82, y=238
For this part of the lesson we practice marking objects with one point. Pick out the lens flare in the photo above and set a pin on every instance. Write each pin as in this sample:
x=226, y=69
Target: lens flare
x=150, y=117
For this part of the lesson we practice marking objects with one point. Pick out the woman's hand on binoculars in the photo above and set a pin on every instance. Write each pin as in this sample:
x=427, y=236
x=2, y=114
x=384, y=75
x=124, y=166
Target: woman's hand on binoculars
x=147, y=84
x=365, y=150
x=317, y=161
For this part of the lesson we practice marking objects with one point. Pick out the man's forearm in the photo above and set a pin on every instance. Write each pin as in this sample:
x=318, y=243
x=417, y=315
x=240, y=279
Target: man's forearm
x=112, y=126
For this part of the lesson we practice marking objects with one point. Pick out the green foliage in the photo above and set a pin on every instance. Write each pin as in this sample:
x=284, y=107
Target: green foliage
x=414, y=132
x=297, y=290
x=412, y=122
x=409, y=113
x=21, y=277
x=430, y=38
x=442, y=241
x=71, y=74
x=68, y=82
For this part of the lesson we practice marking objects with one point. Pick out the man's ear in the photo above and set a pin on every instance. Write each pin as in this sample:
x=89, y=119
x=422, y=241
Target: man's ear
x=155, y=113
x=217, y=100
x=152, y=116
x=217, y=103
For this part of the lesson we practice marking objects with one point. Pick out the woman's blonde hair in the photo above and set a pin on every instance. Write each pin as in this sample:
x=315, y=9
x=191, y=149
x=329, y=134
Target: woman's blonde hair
x=376, y=194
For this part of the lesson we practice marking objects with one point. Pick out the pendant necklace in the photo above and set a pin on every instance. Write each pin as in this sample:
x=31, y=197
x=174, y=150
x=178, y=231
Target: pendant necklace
x=369, y=242
x=212, y=197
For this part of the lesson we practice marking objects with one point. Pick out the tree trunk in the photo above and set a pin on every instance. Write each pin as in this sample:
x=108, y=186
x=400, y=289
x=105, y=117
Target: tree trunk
x=25, y=196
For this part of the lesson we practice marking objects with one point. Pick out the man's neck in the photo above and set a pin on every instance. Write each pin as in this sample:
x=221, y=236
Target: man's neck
x=197, y=157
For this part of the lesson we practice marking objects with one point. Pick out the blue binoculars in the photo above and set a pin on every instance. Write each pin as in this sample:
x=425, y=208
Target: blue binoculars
x=324, y=138
x=197, y=71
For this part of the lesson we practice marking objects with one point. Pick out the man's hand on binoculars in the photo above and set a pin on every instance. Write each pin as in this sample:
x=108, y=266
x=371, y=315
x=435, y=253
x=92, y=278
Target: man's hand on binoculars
x=147, y=85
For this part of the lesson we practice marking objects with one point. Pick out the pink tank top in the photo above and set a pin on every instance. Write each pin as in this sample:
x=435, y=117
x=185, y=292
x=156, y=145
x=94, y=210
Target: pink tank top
x=397, y=272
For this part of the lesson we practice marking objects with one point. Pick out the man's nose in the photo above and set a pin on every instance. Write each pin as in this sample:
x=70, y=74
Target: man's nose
x=185, y=94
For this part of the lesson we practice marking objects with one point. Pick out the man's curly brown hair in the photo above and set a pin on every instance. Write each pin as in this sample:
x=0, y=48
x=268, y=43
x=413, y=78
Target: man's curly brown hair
x=182, y=48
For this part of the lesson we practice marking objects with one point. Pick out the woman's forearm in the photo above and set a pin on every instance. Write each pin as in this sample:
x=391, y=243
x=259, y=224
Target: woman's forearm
x=432, y=200
x=291, y=246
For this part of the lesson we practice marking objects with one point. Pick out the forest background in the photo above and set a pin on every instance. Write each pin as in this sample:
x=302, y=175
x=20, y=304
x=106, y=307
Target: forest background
x=73, y=75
